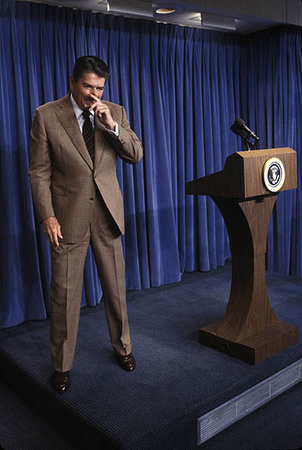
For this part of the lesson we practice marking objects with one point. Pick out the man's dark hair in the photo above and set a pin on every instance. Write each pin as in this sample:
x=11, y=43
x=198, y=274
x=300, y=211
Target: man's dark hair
x=90, y=64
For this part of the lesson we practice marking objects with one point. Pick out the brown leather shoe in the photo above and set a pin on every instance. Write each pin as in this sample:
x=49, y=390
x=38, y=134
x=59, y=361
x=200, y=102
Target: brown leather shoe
x=60, y=381
x=127, y=362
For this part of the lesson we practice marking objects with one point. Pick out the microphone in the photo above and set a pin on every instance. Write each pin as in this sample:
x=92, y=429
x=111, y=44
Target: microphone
x=240, y=128
x=240, y=125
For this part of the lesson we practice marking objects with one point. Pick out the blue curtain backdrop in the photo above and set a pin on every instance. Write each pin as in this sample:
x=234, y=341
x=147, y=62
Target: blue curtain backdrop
x=182, y=89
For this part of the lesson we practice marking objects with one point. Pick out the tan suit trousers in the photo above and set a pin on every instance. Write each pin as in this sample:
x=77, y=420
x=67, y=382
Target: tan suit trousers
x=68, y=262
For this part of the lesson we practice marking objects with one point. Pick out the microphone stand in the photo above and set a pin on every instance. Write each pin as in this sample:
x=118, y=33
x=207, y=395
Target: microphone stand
x=249, y=144
x=246, y=137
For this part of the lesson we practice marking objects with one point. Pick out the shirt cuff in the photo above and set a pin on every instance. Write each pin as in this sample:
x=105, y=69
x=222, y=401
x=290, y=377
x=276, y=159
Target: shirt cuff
x=116, y=130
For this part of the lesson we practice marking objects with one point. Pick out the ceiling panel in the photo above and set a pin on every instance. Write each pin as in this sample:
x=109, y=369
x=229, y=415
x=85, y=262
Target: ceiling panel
x=242, y=16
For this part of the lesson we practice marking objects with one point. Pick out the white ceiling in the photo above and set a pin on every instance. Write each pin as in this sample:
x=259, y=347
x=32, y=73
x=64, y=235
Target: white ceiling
x=241, y=16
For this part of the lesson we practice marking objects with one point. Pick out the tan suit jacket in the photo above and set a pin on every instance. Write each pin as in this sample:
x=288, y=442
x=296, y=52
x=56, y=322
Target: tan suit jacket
x=63, y=178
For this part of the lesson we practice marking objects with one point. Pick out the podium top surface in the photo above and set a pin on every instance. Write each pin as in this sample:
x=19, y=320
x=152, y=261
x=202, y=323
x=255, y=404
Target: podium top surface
x=245, y=174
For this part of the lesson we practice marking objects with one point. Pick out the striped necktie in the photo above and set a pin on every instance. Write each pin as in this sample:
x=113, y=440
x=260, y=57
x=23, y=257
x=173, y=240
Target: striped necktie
x=88, y=133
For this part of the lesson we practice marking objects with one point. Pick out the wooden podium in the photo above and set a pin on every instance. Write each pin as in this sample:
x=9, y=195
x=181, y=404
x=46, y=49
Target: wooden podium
x=245, y=193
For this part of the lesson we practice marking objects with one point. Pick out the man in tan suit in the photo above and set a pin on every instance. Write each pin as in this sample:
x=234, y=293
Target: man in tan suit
x=75, y=142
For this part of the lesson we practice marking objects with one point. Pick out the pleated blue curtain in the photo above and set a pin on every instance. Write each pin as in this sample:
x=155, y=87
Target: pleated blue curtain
x=21, y=289
x=182, y=89
x=272, y=102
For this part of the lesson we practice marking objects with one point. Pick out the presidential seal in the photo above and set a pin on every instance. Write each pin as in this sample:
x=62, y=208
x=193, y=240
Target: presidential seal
x=273, y=174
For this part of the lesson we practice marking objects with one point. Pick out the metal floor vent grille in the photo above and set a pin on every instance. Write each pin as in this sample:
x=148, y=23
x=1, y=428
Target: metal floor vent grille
x=235, y=409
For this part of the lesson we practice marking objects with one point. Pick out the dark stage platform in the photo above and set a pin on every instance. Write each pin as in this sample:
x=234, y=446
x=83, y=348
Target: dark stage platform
x=177, y=380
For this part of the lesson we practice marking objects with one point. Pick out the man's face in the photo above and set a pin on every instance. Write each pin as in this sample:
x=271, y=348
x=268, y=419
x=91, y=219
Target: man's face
x=88, y=84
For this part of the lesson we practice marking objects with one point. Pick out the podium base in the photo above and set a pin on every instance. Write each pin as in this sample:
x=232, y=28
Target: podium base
x=256, y=347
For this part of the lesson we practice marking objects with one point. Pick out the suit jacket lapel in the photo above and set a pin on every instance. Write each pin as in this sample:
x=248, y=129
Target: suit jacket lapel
x=100, y=142
x=69, y=121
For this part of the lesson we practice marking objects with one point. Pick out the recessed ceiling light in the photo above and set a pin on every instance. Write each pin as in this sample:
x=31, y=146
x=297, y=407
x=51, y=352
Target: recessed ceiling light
x=165, y=11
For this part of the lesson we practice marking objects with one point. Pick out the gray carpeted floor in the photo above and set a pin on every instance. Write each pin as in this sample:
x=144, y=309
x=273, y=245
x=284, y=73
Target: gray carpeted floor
x=176, y=381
